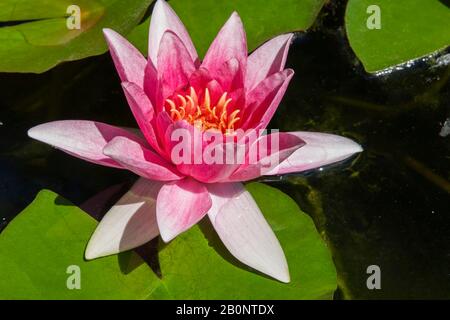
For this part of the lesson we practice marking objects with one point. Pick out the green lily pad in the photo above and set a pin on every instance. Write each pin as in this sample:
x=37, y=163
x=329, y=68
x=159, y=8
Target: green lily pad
x=39, y=245
x=196, y=265
x=409, y=29
x=34, y=35
x=39, y=248
x=204, y=18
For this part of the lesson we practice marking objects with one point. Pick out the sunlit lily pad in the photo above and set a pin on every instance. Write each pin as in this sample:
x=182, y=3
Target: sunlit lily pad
x=50, y=235
x=196, y=265
x=262, y=21
x=34, y=35
x=408, y=29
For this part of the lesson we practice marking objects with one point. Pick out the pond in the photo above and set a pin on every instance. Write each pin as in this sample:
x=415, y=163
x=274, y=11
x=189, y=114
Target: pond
x=389, y=206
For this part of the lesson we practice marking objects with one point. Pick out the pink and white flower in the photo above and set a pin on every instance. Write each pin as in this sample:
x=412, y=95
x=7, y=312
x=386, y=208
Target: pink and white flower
x=173, y=89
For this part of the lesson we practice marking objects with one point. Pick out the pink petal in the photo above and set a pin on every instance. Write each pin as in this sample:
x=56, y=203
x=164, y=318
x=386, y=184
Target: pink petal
x=130, y=223
x=215, y=91
x=230, y=43
x=151, y=86
x=199, y=79
x=180, y=205
x=129, y=62
x=142, y=161
x=142, y=110
x=197, y=147
x=163, y=125
x=231, y=75
x=175, y=66
x=264, y=156
x=244, y=231
x=80, y=138
x=237, y=101
x=320, y=149
x=263, y=100
x=165, y=19
x=268, y=59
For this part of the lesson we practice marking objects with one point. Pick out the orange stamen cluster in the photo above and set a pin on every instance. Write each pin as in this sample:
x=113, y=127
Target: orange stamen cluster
x=203, y=115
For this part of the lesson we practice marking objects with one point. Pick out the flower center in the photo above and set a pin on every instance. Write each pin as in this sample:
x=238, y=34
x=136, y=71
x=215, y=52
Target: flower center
x=202, y=114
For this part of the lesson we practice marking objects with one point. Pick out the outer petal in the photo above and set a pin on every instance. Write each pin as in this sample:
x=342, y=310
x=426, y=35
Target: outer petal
x=142, y=110
x=320, y=149
x=164, y=19
x=180, y=205
x=265, y=154
x=244, y=231
x=263, y=100
x=82, y=139
x=129, y=62
x=267, y=60
x=230, y=43
x=175, y=66
x=130, y=223
x=142, y=161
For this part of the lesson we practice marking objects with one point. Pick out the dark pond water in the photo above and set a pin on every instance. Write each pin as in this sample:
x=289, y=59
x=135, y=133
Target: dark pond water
x=389, y=207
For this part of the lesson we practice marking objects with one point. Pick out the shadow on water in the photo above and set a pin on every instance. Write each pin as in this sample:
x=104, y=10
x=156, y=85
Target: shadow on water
x=388, y=207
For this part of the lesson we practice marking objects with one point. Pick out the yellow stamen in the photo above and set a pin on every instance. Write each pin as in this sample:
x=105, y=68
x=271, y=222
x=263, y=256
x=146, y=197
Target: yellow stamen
x=183, y=100
x=204, y=115
x=222, y=99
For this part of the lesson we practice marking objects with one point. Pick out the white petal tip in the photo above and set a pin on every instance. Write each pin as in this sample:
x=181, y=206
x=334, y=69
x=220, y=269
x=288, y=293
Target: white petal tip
x=345, y=150
x=34, y=132
x=30, y=133
x=352, y=148
x=278, y=271
x=285, y=277
x=88, y=256
x=42, y=132
x=96, y=249
x=109, y=33
x=235, y=16
x=91, y=253
x=168, y=234
x=160, y=7
x=166, y=237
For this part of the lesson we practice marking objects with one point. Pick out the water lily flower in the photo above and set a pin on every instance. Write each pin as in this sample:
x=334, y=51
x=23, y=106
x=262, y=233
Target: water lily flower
x=173, y=89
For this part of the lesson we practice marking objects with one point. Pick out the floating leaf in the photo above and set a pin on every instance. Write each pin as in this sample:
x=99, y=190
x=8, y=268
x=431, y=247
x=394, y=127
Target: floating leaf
x=204, y=18
x=50, y=235
x=193, y=269
x=409, y=29
x=34, y=35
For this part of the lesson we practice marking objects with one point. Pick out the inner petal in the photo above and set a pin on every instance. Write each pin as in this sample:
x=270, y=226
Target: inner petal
x=202, y=112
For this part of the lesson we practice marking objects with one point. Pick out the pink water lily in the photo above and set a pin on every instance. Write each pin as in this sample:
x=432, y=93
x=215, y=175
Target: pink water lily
x=173, y=89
